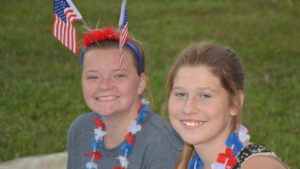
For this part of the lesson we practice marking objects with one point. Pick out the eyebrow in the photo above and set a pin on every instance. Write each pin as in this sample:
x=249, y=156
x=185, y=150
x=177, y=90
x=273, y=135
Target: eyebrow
x=179, y=88
x=114, y=70
x=94, y=71
x=198, y=88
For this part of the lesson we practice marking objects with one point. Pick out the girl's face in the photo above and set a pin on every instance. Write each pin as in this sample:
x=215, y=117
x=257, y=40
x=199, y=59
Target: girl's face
x=199, y=107
x=107, y=89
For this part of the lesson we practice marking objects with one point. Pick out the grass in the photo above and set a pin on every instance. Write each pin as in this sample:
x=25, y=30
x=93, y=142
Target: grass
x=40, y=79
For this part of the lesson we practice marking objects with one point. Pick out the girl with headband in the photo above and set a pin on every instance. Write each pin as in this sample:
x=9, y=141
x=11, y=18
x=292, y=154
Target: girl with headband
x=205, y=87
x=121, y=132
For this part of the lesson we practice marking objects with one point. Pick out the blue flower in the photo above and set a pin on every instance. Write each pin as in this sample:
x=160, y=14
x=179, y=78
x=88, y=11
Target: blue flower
x=230, y=140
x=233, y=139
x=96, y=144
x=100, y=117
x=143, y=113
x=126, y=148
x=237, y=147
x=195, y=161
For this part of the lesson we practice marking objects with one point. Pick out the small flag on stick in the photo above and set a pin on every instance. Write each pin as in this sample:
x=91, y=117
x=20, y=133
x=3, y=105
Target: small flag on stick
x=65, y=13
x=123, y=27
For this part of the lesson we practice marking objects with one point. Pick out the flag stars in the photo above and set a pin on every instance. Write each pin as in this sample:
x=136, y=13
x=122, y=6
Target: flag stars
x=59, y=6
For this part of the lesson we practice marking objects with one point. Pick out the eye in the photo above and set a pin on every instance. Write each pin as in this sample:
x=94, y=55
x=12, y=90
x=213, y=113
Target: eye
x=179, y=94
x=120, y=75
x=205, y=96
x=92, y=77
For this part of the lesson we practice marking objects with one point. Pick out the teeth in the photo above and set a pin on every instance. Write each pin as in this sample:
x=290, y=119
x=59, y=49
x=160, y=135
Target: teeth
x=107, y=98
x=191, y=123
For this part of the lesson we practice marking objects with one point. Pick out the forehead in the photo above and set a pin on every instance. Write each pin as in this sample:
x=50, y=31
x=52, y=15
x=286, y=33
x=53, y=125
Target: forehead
x=195, y=77
x=107, y=57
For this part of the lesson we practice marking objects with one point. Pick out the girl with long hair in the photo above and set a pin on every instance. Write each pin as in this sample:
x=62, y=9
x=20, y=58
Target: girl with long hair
x=205, y=87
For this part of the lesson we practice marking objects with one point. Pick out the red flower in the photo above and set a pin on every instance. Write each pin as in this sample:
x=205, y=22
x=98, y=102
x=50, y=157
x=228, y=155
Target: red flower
x=97, y=155
x=227, y=156
x=98, y=35
x=130, y=138
x=141, y=105
x=118, y=168
x=98, y=122
x=229, y=152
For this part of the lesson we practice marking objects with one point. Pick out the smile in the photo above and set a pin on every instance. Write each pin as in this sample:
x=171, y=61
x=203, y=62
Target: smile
x=107, y=98
x=192, y=123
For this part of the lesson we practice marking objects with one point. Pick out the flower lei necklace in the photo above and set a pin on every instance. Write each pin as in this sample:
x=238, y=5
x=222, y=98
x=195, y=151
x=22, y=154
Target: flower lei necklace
x=227, y=160
x=126, y=147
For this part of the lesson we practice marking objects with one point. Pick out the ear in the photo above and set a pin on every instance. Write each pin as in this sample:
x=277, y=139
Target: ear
x=142, y=84
x=237, y=103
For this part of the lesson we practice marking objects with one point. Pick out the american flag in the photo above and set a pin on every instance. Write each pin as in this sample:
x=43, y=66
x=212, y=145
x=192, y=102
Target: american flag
x=65, y=13
x=123, y=26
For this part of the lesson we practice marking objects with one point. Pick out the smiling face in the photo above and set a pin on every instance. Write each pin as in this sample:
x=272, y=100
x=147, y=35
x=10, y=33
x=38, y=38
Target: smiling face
x=199, y=106
x=107, y=89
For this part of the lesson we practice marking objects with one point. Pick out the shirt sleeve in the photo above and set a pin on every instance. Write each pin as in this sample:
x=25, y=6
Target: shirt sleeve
x=70, y=145
x=165, y=156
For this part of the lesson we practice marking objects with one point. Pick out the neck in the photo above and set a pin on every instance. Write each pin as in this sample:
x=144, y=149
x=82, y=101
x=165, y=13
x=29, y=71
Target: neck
x=208, y=151
x=116, y=126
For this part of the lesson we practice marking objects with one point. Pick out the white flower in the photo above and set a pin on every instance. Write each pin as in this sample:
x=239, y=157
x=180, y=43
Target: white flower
x=91, y=165
x=123, y=161
x=134, y=127
x=144, y=101
x=99, y=134
x=243, y=136
x=243, y=129
x=218, y=166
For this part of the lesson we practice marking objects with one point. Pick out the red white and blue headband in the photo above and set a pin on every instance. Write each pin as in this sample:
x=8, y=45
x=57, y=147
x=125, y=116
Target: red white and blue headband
x=98, y=35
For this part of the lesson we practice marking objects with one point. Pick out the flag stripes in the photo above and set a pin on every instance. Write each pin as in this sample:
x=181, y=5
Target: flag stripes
x=123, y=24
x=65, y=13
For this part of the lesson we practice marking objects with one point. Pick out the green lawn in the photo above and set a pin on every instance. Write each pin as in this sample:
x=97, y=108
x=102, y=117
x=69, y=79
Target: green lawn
x=40, y=90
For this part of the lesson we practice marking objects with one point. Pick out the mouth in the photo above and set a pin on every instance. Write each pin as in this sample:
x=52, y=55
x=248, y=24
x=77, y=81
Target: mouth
x=191, y=124
x=107, y=98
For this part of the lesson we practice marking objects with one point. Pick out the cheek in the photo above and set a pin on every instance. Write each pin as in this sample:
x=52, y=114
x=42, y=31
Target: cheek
x=173, y=107
x=127, y=88
x=130, y=87
x=216, y=108
x=218, y=113
x=87, y=89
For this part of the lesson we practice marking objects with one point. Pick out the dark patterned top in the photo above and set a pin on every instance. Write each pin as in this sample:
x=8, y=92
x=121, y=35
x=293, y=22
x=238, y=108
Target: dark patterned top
x=253, y=150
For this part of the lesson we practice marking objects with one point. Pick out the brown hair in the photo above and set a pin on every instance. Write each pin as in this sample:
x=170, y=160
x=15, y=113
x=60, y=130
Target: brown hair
x=224, y=64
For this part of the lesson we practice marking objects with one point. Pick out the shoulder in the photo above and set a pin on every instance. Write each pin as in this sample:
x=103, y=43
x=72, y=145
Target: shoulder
x=263, y=162
x=255, y=157
x=161, y=147
x=157, y=123
x=82, y=121
x=156, y=126
x=157, y=134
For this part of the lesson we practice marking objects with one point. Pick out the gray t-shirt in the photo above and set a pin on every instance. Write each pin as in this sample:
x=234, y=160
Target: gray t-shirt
x=157, y=146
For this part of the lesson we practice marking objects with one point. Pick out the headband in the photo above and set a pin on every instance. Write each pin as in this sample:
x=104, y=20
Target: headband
x=98, y=35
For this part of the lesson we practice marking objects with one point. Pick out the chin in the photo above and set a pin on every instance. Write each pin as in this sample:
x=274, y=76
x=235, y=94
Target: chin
x=103, y=112
x=192, y=141
x=190, y=138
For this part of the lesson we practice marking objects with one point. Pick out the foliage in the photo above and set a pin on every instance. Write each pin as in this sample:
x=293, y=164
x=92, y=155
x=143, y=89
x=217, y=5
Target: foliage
x=40, y=79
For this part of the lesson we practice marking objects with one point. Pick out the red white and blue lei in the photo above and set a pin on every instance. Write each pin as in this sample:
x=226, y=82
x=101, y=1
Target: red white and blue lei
x=126, y=148
x=227, y=160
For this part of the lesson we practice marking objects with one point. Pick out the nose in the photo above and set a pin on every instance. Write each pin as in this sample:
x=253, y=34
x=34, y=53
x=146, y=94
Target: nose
x=190, y=107
x=105, y=84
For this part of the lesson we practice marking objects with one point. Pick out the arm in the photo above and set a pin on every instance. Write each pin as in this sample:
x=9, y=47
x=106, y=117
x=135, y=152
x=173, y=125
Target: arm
x=264, y=162
x=70, y=146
